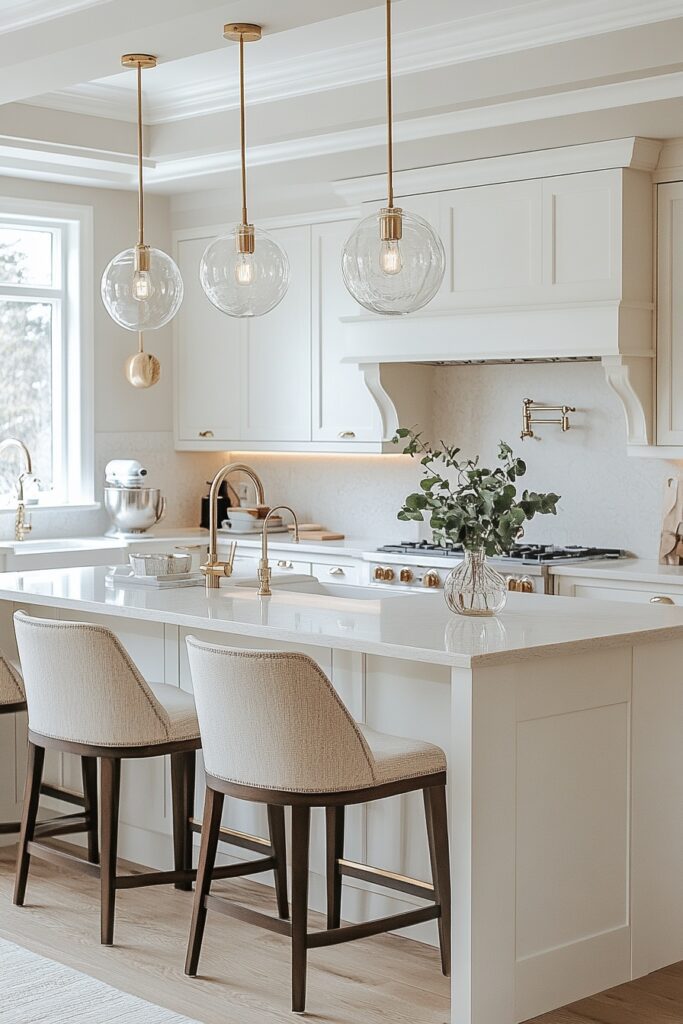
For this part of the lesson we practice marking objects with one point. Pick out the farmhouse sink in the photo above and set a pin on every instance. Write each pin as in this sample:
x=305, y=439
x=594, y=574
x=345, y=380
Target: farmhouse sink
x=311, y=585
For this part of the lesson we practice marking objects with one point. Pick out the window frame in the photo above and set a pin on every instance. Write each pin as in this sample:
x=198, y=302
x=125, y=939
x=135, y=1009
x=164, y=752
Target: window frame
x=73, y=354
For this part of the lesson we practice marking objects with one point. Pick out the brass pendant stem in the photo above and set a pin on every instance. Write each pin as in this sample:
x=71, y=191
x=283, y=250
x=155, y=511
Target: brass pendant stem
x=141, y=201
x=140, y=345
x=390, y=115
x=243, y=136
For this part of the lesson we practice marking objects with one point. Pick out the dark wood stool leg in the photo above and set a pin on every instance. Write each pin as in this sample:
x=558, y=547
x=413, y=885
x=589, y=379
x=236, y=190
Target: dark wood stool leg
x=301, y=828
x=90, y=802
x=437, y=832
x=182, y=788
x=276, y=826
x=110, y=793
x=34, y=775
x=211, y=823
x=335, y=851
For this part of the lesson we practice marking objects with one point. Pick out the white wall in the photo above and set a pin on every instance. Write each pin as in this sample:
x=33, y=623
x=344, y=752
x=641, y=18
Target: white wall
x=608, y=498
x=128, y=422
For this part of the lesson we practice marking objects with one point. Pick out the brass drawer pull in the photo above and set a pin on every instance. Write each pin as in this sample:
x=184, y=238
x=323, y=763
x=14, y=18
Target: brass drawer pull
x=206, y=433
x=659, y=599
x=284, y=564
x=347, y=435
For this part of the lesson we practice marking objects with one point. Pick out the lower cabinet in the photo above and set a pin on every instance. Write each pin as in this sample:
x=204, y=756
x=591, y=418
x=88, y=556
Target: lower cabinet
x=599, y=589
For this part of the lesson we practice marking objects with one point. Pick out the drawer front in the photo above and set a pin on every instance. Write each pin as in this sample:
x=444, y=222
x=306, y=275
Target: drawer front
x=338, y=572
x=609, y=592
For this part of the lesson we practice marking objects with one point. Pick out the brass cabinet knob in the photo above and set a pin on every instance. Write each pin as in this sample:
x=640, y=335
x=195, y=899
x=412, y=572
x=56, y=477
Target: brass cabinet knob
x=406, y=575
x=337, y=570
x=431, y=579
x=378, y=573
x=206, y=433
x=347, y=435
x=660, y=599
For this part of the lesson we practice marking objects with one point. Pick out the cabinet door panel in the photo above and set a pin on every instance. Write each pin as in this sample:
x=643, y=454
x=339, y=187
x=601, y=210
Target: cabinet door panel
x=492, y=236
x=277, y=354
x=670, y=314
x=343, y=409
x=207, y=359
x=582, y=238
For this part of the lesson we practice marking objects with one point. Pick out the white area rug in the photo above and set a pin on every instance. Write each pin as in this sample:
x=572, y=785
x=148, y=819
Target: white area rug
x=34, y=990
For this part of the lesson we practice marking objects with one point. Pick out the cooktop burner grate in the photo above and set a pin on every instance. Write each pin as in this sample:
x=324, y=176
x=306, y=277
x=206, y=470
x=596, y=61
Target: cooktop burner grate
x=531, y=553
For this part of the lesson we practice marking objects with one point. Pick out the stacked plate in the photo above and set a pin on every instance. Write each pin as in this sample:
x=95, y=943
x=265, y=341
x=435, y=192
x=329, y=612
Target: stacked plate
x=246, y=521
x=159, y=570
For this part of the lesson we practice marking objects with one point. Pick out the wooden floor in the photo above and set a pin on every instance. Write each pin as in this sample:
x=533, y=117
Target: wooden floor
x=245, y=971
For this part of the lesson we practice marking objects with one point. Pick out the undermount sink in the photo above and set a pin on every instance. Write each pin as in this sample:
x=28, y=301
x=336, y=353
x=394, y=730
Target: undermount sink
x=311, y=585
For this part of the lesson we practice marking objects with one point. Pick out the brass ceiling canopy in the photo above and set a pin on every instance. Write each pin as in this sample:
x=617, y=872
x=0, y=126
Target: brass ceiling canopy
x=138, y=60
x=242, y=30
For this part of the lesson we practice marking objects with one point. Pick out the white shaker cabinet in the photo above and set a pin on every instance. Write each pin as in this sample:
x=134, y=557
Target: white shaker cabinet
x=207, y=367
x=343, y=409
x=670, y=314
x=275, y=382
x=276, y=354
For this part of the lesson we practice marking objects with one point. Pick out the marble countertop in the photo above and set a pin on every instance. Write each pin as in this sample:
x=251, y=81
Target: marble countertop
x=640, y=570
x=416, y=627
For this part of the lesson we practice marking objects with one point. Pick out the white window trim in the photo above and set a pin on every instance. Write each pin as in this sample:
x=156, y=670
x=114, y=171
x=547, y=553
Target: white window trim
x=77, y=341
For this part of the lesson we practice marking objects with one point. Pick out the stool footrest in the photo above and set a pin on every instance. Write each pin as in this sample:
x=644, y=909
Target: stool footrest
x=67, y=796
x=9, y=828
x=235, y=838
x=246, y=914
x=363, y=930
x=387, y=879
x=57, y=856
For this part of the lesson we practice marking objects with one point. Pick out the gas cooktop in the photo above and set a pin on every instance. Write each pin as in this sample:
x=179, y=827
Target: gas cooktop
x=538, y=554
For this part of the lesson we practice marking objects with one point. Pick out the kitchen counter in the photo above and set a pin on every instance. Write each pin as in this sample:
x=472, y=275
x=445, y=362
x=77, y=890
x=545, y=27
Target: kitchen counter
x=415, y=627
x=561, y=724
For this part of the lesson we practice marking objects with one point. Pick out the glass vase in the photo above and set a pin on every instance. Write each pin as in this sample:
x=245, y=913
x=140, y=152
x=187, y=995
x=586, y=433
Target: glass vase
x=474, y=587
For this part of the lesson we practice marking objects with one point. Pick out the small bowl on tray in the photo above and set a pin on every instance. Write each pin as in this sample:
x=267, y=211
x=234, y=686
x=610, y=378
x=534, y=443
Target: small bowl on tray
x=159, y=565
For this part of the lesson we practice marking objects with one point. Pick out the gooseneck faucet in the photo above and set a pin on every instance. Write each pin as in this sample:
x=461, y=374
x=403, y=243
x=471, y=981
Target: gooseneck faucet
x=213, y=570
x=264, y=571
x=22, y=524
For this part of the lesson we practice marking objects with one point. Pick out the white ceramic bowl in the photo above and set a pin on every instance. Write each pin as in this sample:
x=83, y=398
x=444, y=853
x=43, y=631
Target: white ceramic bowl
x=159, y=565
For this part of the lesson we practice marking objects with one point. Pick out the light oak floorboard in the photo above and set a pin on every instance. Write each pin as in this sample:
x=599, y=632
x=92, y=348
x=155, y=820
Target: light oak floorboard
x=244, y=971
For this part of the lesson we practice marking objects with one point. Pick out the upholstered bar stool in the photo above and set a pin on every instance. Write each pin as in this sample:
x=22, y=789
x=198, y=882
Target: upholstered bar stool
x=274, y=731
x=85, y=696
x=12, y=700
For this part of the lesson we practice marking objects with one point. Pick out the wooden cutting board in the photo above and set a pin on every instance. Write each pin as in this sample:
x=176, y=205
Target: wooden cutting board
x=312, y=531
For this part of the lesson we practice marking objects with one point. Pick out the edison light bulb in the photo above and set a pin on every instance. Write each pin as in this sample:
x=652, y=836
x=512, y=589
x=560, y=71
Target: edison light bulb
x=142, y=285
x=245, y=271
x=390, y=257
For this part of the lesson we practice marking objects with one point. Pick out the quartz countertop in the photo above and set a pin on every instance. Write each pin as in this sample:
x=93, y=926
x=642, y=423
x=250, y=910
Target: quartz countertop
x=639, y=570
x=416, y=627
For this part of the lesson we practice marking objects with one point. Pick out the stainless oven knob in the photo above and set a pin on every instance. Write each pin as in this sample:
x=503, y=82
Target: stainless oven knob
x=431, y=579
x=406, y=575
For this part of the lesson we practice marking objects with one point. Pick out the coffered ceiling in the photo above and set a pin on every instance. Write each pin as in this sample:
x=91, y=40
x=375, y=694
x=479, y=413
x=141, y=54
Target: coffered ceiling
x=473, y=78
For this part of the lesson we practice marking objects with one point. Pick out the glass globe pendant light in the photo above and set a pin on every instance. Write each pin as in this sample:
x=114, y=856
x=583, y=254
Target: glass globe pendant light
x=394, y=261
x=244, y=273
x=141, y=287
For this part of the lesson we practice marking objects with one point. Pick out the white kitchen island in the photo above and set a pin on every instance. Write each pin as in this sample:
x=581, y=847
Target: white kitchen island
x=563, y=725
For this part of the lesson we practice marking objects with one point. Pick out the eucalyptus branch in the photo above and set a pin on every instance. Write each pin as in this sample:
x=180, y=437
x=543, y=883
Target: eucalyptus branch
x=480, y=510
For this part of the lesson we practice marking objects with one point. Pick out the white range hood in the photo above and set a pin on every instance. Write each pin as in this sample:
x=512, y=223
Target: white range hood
x=550, y=259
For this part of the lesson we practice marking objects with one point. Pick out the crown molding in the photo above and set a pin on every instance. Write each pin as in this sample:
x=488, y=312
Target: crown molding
x=539, y=23
x=24, y=13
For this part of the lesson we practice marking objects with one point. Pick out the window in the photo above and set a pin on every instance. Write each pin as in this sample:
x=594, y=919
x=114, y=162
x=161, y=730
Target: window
x=45, y=348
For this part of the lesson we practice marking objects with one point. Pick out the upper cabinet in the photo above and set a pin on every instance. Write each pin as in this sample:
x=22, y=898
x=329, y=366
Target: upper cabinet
x=275, y=382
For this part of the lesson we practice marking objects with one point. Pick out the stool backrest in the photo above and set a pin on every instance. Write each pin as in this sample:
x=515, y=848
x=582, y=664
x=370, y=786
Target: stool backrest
x=272, y=719
x=82, y=686
x=11, y=689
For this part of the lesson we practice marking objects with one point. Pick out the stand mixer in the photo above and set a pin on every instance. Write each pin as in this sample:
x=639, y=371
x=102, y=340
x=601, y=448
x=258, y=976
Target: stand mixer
x=132, y=507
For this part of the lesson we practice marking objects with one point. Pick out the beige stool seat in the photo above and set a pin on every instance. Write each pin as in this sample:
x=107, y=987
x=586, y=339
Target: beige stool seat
x=275, y=731
x=11, y=686
x=395, y=758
